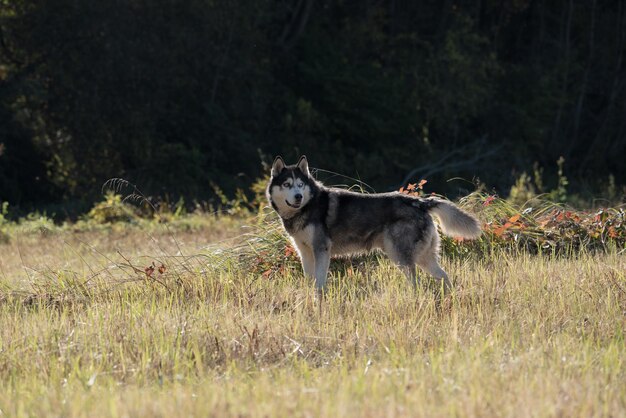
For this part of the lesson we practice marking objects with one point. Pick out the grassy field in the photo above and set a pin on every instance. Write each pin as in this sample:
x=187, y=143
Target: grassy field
x=128, y=321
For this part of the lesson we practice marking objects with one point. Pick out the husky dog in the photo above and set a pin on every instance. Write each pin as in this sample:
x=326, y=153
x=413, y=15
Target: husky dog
x=324, y=221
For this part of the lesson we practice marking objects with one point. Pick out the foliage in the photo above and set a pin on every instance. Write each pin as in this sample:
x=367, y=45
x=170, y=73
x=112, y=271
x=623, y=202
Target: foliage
x=112, y=209
x=559, y=194
x=539, y=226
x=176, y=95
x=164, y=211
x=34, y=223
x=4, y=210
x=547, y=227
x=522, y=191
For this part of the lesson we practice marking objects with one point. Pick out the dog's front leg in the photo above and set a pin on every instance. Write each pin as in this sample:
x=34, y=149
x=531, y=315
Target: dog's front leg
x=322, y=261
x=308, y=259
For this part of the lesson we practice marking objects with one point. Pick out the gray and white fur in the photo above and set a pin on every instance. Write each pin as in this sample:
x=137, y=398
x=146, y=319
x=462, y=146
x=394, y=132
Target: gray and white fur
x=324, y=221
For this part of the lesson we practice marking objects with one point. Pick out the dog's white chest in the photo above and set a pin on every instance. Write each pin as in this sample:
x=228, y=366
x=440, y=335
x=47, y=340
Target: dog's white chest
x=305, y=236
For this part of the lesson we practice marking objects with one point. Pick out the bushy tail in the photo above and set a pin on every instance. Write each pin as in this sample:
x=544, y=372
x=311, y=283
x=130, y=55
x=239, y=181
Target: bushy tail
x=454, y=221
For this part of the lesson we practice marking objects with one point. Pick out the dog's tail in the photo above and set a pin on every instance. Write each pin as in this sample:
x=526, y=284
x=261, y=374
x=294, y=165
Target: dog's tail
x=454, y=221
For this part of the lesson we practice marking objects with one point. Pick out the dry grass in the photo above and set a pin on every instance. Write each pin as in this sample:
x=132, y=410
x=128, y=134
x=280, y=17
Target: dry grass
x=84, y=332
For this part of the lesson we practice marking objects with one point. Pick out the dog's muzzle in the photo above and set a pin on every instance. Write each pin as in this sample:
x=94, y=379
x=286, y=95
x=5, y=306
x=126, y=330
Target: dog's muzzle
x=297, y=203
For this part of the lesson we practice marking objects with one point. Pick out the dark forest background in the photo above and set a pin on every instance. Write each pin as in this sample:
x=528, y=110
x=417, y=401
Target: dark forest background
x=176, y=95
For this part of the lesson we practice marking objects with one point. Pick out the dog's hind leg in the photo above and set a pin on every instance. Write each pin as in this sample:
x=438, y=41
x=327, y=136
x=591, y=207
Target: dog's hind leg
x=411, y=274
x=433, y=268
x=428, y=260
x=401, y=253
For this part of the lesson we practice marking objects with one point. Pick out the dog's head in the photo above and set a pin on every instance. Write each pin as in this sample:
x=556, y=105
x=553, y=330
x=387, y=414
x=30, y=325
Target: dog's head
x=290, y=188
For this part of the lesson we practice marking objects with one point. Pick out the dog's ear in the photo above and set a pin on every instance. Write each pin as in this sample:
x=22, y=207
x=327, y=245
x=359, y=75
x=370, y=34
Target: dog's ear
x=303, y=165
x=278, y=166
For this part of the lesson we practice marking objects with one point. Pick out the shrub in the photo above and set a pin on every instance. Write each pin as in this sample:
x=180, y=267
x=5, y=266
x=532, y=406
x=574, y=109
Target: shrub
x=112, y=209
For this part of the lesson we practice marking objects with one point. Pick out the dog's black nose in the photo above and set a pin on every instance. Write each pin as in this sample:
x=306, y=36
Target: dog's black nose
x=298, y=196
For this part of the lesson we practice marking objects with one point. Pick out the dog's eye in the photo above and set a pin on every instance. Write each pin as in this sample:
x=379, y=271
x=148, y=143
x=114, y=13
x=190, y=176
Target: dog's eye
x=285, y=184
x=300, y=185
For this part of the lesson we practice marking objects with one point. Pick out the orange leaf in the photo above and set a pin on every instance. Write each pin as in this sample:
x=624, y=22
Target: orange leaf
x=514, y=218
x=499, y=231
x=289, y=251
x=488, y=200
x=411, y=187
x=421, y=183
